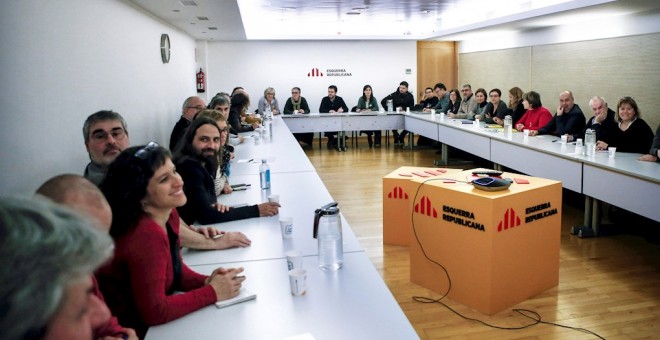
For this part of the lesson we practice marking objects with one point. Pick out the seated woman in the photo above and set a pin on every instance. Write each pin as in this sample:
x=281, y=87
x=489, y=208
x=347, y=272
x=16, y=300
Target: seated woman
x=516, y=107
x=536, y=116
x=454, y=103
x=144, y=190
x=495, y=110
x=366, y=103
x=268, y=102
x=225, y=155
x=239, y=105
x=297, y=104
x=633, y=133
x=479, y=109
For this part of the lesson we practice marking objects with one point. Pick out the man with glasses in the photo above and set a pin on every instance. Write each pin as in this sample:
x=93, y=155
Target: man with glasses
x=297, y=104
x=106, y=137
x=468, y=103
x=191, y=106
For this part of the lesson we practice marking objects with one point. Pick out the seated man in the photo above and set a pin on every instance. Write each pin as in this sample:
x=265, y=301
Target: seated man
x=49, y=254
x=401, y=99
x=428, y=101
x=196, y=162
x=331, y=104
x=654, y=153
x=569, y=119
x=191, y=106
x=221, y=103
x=441, y=92
x=468, y=103
x=297, y=104
x=602, y=121
x=106, y=137
x=83, y=196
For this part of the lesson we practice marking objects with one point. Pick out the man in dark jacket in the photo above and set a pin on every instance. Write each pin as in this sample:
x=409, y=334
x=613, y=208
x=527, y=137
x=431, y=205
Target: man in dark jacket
x=569, y=119
x=196, y=162
x=401, y=99
x=331, y=104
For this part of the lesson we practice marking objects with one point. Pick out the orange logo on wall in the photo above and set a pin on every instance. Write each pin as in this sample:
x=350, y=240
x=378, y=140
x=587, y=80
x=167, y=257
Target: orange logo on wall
x=510, y=220
x=315, y=73
x=397, y=193
x=424, y=207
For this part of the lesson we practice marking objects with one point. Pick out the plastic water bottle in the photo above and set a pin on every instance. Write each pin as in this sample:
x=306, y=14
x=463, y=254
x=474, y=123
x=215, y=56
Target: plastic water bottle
x=508, y=124
x=390, y=105
x=590, y=142
x=268, y=114
x=264, y=175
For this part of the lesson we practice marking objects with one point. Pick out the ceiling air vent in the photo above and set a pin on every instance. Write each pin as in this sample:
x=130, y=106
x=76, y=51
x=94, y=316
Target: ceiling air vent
x=188, y=3
x=203, y=18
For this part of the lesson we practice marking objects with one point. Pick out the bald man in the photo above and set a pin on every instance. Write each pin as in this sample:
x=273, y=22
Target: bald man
x=84, y=197
x=569, y=119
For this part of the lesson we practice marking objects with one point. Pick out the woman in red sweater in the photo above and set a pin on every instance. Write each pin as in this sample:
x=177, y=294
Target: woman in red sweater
x=536, y=116
x=144, y=190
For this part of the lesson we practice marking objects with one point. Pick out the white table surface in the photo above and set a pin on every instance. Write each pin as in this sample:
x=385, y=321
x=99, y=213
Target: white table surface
x=281, y=151
x=300, y=194
x=351, y=303
x=346, y=121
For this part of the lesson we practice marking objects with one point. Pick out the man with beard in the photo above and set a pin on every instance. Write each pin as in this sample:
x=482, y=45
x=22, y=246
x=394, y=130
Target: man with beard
x=106, y=137
x=401, y=99
x=196, y=162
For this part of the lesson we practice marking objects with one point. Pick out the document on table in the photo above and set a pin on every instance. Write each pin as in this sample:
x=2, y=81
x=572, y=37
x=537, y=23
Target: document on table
x=244, y=295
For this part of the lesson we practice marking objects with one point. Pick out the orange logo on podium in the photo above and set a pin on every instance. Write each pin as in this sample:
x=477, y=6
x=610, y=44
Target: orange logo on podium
x=510, y=220
x=424, y=208
x=397, y=193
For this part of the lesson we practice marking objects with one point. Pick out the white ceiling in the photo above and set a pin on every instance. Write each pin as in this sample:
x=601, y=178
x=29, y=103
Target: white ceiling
x=376, y=19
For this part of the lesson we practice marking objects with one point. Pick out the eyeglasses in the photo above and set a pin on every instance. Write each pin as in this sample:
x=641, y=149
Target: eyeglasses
x=295, y=92
x=494, y=95
x=116, y=133
x=225, y=130
x=198, y=107
x=142, y=153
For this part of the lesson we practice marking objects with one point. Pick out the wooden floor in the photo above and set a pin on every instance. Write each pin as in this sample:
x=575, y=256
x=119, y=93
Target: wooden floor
x=609, y=285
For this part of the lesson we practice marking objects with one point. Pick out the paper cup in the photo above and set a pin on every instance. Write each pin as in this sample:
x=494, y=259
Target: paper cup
x=286, y=225
x=564, y=139
x=298, y=281
x=612, y=151
x=398, y=109
x=407, y=109
x=294, y=259
x=526, y=132
x=274, y=198
x=432, y=111
x=578, y=142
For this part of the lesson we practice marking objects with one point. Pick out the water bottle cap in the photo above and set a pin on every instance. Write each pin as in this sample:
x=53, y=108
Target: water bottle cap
x=263, y=161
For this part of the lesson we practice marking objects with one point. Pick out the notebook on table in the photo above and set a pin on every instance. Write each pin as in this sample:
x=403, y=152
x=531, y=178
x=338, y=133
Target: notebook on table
x=244, y=295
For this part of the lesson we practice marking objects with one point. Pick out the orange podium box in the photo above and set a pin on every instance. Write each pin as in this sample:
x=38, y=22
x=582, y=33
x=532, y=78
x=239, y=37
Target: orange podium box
x=398, y=193
x=499, y=248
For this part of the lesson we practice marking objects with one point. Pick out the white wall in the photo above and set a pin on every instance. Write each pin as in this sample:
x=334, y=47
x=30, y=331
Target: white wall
x=62, y=61
x=282, y=65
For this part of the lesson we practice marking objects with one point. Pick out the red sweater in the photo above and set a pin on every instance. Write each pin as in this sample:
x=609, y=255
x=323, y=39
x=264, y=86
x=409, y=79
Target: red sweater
x=138, y=282
x=535, y=119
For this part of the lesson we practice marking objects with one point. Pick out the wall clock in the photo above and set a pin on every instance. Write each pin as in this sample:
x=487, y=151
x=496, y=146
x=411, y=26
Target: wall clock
x=165, y=48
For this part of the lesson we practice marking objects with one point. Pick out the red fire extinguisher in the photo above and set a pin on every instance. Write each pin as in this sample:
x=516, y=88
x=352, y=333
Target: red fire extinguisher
x=201, y=81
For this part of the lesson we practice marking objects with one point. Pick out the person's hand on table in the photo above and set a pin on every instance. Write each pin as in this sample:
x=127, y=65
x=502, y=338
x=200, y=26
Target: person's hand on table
x=268, y=209
x=232, y=239
x=226, y=282
x=221, y=207
x=600, y=145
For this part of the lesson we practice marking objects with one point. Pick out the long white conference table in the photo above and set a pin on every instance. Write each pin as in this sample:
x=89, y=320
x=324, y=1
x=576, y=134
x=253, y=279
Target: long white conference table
x=623, y=181
x=351, y=303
